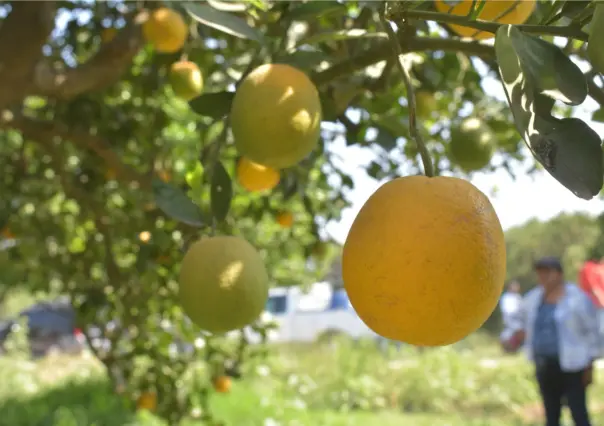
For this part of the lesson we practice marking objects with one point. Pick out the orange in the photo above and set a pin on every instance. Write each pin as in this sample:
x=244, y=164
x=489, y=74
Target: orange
x=110, y=174
x=222, y=384
x=108, y=34
x=472, y=144
x=147, y=401
x=223, y=284
x=285, y=219
x=256, y=177
x=6, y=233
x=276, y=116
x=502, y=11
x=165, y=30
x=425, y=103
x=186, y=80
x=424, y=261
x=164, y=175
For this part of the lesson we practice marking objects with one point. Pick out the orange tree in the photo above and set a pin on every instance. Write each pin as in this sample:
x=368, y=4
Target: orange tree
x=116, y=150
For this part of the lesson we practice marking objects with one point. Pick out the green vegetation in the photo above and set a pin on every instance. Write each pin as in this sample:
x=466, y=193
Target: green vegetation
x=343, y=384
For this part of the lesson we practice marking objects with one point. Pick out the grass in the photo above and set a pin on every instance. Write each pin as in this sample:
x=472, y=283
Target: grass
x=326, y=385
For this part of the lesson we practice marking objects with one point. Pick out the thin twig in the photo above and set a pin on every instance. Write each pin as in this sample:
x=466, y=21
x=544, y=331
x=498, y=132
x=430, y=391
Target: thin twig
x=413, y=128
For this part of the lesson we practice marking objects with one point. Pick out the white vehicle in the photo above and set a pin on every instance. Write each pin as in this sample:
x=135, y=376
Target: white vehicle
x=304, y=317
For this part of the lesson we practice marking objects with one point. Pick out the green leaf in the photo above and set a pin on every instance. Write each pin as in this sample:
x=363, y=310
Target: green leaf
x=595, y=44
x=214, y=105
x=173, y=202
x=355, y=33
x=567, y=148
x=221, y=192
x=222, y=21
x=551, y=72
x=314, y=9
x=598, y=115
x=385, y=138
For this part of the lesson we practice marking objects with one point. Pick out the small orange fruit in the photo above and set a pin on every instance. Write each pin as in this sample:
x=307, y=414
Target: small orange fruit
x=110, y=174
x=256, y=177
x=164, y=175
x=285, y=219
x=222, y=384
x=6, y=233
x=186, y=80
x=147, y=401
x=165, y=30
x=108, y=34
x=425, y=260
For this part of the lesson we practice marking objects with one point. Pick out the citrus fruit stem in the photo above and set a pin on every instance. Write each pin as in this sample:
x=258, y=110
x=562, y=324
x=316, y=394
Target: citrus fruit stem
x=413, y=128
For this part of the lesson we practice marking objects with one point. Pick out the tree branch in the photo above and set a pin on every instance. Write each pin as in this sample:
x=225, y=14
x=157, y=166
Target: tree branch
x=44, y=132
x=102, y=70
x=383, y=51
x=492, y=27
x=22, y=36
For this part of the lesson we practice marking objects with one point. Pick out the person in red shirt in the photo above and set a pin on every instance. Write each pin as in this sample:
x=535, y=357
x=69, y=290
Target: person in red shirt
x=591, y=281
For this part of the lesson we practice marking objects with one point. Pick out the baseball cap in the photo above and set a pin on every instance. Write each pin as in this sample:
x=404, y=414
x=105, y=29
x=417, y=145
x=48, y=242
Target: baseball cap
x=549, y=262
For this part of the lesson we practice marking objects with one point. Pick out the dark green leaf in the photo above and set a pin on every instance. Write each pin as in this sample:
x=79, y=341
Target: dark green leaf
x=347, y=181
x=143, y=258
x=314, y=9
x=572, y=8
x=223, y=21
x=567, y=148
x=173, y=202
x=598, y=115
x=385, y=139
x=214, y=105
x=595, y=45
x=374, y=170
x=221, y=192
x=289, y=185
x=551, y=72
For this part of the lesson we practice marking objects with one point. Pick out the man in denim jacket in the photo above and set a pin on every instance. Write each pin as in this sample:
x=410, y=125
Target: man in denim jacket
x=558, y=325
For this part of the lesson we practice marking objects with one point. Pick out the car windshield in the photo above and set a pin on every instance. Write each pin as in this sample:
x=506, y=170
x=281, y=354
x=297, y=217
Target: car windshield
x=276, y=304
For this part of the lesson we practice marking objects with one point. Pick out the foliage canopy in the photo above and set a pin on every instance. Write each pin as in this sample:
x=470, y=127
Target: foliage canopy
x=96, y=149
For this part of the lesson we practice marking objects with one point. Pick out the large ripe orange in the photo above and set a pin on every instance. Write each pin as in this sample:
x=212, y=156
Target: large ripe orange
x=502, y=11
x=276, y=116
x=165, y=30
x=424, y=261
x=256, y=177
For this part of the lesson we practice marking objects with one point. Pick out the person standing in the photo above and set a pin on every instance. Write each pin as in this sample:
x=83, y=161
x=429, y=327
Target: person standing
x=509, y=305
x=558, y=327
